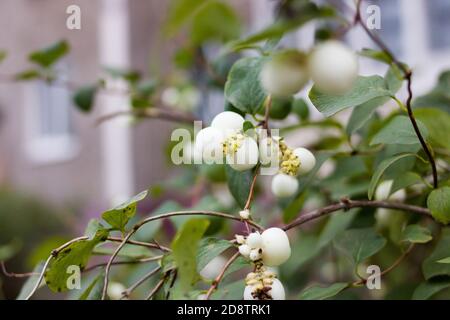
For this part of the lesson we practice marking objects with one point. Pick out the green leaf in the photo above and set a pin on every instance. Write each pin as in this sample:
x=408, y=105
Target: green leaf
x=180, y=12
x=359, y=244
x=363, y=113
x=185, y=249
x=405, y=180
x=131, y=76
x=364, y=90
x=76, y=254
x=294, y=207
x=120, y=215
x=248, y=125
x=300, y=108
x=439, y=204
x=439, y=96
x=322, y=293
x=209, y=248
x=416, y=234
x=307, y=12
x=31, y=282
x=127, y=251
x=84, y=97
x=215, y=21
x=381, y=169
x=243, y=88
x=48, y=56
x=445, y=260
x=399, y=130
x=26, y=75
x=92, y=228
x=431, y=267
x=3, y=55
x=94, y=290
x=336, y=224
x=239, y=184
x=428, y=289
x=394, y=79
x=438, y=125
x=376, y=55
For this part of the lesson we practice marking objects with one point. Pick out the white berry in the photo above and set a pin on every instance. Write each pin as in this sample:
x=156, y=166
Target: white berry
x=208, y=143
x=284, y=185
x=245, y=250
x=245, y=157
x=333, y=67
x=307, y=160
x=212, y=269
x=228, y=122
x=254, y=240
x=276, y=248
x=240, y=239
x=285, y=75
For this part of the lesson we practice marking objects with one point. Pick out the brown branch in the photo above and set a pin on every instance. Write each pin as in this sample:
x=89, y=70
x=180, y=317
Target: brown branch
x=143, y=244
x=407, y=74
x=219, y=278
x=16, y=275
x=347, y=204
x=116, y=263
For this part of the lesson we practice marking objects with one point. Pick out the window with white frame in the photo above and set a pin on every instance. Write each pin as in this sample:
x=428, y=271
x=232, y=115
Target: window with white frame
x=50, y=135
x=438, y=12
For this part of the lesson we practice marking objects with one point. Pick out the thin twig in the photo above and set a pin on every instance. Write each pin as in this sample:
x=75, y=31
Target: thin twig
x=16, y=275
x=158, y=285
x=219, y=278
x=347, y=204
x=390, y=268
x=128, y=291
x=407, y=73
x=144, y=260
x=140, y=243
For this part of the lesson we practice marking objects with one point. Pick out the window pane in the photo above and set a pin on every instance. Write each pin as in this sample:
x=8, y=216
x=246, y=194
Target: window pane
x=439, y=23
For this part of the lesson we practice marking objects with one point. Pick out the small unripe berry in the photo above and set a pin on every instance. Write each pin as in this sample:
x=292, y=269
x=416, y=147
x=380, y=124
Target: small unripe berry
x=245, y=157
x=254, y=240
x=228, y=122
x=333, y=67
x=307, y=160
x=255, y=254
x=245, y=250
x=115, y=290
x=285, y=74
x=284, y=185
x=240, y=239
x=244, y=214
x=276, y=248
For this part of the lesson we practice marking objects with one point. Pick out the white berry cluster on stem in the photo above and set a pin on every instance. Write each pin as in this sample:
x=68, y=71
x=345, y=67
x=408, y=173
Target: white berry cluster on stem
x=268, y=249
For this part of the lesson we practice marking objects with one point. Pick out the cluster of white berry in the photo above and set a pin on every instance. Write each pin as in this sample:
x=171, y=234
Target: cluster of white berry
x=290, y=164
x=263, y=285
x=225, y=138
x=268, y=249
x=331, y=65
